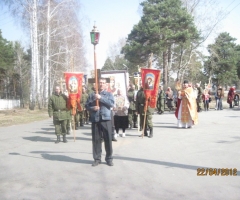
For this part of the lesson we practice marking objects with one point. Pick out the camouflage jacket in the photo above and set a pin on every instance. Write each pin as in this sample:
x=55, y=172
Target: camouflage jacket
x=57, y=107
x=140, y=103
x=131, y=99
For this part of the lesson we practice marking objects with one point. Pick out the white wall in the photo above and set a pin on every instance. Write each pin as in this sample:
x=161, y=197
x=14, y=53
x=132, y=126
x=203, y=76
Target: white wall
x=9, y=104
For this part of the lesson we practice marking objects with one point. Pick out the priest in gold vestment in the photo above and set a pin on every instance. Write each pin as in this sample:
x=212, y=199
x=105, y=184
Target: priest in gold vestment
x=186, y=112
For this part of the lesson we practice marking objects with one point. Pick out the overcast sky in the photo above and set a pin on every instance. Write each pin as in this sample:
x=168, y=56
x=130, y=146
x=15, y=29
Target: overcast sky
x=115, y=20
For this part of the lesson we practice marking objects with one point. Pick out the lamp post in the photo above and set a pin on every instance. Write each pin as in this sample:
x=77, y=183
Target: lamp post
x=95, y=34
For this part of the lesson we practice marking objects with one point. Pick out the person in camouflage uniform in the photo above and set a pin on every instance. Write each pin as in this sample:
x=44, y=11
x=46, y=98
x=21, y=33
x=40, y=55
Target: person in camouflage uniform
x=57, y=108
x=199, y=97
x=132, y=116
x=161, y=100
x=140, y=103
x=80, y=113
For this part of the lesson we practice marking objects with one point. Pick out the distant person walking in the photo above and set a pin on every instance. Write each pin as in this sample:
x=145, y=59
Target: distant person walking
x=169, y=98
x=205, y=98
x=230, y=97
x=218, y=96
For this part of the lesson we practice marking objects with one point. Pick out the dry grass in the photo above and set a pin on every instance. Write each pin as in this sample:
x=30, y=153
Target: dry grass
x=21, y=116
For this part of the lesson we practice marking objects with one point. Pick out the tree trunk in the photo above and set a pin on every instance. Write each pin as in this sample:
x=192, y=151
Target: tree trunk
x=46, y=91
x=33, y=67
x=165, y=68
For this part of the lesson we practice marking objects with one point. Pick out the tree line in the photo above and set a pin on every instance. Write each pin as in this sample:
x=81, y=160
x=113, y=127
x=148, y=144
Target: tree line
x=170, y=34
x=56, y=46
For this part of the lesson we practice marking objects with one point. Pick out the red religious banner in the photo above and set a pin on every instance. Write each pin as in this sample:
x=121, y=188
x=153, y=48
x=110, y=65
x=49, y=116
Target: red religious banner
x=150, y=84
x=74, y=87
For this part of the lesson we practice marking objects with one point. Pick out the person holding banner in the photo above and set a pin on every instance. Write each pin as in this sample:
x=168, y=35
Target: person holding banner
x=146, y=98
x=140, y=104
x=100, y=116
x=186, y=112
x=57, y=108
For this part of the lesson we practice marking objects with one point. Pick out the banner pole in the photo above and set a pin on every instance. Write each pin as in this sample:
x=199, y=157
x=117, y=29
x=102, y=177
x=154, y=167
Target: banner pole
x=74, y=136
x=96, y=74
x=138, y=85
x=144, y=122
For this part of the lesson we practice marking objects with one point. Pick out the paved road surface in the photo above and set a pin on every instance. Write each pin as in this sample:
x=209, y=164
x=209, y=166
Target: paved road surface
x=164, y=167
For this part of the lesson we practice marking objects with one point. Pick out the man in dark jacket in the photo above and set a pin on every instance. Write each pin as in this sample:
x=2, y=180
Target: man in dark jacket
x=100, y=116
x=57, y=108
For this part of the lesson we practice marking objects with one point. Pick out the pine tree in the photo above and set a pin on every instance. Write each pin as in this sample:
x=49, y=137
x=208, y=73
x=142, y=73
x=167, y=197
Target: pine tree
x=164, y=24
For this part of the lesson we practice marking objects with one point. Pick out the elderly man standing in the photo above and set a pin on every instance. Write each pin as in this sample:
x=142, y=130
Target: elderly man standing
x=57, y=108
x=100, y=116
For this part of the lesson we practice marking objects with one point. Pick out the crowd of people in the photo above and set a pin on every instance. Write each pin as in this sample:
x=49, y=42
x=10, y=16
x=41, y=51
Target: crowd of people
x=203, y=98
x=111, y=114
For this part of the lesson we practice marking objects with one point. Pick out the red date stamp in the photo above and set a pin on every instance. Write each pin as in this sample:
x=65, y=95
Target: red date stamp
x=216, y=171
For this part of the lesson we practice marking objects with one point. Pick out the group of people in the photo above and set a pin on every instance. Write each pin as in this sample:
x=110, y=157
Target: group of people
x=109, y=113
x=171, y=99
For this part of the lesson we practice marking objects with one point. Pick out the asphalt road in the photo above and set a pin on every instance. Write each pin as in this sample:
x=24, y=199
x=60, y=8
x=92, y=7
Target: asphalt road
x=32, y=166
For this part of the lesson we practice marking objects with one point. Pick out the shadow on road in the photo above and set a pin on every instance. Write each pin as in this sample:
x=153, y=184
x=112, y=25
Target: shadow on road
x=162, y=123
x=65, y=159
x=233, y=116
x=48, y=155
x=38, y=139
x=236, y=139
x=46, y=139
x=172, y=127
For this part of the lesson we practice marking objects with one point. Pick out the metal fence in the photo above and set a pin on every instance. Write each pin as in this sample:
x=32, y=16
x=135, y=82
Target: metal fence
x=9, y=104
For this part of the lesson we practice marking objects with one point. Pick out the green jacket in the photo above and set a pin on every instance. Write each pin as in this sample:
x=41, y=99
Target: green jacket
x=140, y=102
x=83, y=100
x=132, y=103
x=161, y=95
x=200, y=93
x=57, y=107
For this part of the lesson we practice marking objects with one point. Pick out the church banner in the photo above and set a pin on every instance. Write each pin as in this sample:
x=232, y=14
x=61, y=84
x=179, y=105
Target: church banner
x=74, y=88
x=150, y=84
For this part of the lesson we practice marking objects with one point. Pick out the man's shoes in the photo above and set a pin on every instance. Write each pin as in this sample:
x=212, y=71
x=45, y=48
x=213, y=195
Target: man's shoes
x=110, y=163
x=58, y=139
x=96, y=163
x=114, y=139
x=64, y=139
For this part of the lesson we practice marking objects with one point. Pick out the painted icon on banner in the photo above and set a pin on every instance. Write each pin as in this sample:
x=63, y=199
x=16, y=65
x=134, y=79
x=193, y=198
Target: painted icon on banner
x=73, y=85
x=149, y=81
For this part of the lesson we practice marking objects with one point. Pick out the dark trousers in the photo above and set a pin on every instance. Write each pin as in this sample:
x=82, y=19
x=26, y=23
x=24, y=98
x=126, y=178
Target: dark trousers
x=101, y=130
x=206, y=104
